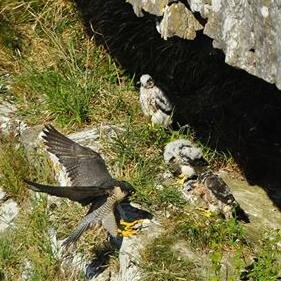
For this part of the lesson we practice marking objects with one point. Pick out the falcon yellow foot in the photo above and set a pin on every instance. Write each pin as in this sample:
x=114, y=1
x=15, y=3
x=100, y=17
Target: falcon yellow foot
x=127, y=233
x=181, y=179
x=130, y=228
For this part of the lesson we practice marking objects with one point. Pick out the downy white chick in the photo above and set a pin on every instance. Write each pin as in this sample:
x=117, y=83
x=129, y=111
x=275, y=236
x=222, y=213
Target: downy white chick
x=154, y=103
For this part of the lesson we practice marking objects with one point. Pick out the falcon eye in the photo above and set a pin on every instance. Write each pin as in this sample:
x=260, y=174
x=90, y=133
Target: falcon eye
x=150, y=82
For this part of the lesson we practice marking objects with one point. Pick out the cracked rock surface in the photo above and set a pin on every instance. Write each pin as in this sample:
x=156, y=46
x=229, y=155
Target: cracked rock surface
x=8, y=212
x=248, y=32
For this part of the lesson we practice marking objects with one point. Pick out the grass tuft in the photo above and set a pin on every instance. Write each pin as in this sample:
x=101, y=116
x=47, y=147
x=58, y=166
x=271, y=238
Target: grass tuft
x=161, y=263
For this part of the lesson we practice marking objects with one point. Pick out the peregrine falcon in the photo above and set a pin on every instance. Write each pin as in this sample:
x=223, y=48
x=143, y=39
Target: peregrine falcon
x=154, y=103
x=216, y=194
x=91, y=183
x=185, y=160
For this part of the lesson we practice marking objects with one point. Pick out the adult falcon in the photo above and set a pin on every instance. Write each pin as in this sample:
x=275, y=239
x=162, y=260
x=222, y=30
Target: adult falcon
x=91, y=184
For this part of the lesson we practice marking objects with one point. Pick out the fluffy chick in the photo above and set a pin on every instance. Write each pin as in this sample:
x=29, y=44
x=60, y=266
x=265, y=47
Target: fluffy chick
x=154, y=102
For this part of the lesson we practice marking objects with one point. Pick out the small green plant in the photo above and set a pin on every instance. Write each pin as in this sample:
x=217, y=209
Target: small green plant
x=213, y=232
x=267, y=264
x=15, y=166
x=161, y=263
x=8, y=256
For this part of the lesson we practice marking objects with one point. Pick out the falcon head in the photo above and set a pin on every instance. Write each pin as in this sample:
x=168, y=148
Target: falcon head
x=147, y=81
x=126, y=188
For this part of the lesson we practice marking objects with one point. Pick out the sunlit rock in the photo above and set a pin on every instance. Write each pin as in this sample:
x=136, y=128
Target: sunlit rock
x=8, y=212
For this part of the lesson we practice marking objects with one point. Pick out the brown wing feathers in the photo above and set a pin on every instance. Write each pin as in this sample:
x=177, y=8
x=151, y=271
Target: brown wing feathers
x=84, y=166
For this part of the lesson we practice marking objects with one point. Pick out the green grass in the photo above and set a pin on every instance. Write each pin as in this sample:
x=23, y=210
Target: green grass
x=15, y=166
x=164, y=264
x=211, y=241
x=29, y=243
x=268, y=263
x=137, y=155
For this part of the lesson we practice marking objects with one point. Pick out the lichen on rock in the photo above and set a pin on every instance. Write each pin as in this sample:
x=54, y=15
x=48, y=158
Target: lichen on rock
x=249, y=33
x=179, y=21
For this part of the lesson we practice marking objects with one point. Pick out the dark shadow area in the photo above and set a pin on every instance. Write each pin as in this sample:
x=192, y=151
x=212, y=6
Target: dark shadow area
x=100, y=263
x=230, y=110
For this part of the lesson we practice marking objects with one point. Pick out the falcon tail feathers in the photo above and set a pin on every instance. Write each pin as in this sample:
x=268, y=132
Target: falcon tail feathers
x=75, y=235
x=82, y=194
x=92, y=217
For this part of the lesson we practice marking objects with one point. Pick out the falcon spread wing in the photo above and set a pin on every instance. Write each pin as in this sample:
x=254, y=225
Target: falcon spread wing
x=89, y=176
x=84, y=166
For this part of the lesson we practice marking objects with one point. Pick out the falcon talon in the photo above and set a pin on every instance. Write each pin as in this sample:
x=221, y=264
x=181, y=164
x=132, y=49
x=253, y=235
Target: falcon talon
x=128, y=233
x=131, y=224
x=182, y=179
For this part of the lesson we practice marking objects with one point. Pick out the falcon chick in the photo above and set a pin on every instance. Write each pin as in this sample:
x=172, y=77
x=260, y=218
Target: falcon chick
x=154, y=102
x=185, y=160
x=216, y=194
x=91, y=183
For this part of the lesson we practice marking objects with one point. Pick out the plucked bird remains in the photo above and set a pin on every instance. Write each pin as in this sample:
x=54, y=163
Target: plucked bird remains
x=91, y=184
x=154, y=102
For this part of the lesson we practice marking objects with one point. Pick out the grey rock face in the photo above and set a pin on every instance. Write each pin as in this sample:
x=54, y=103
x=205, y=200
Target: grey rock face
x=254, y=200
x=2, y=195
x=8, y=212
x=248, y=32
x=27, y=271
x=9, y=123
x=129, y=255
x=178, y=21
x=155, y=7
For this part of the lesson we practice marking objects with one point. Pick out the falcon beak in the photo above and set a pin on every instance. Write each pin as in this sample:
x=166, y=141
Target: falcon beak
x=127, y=187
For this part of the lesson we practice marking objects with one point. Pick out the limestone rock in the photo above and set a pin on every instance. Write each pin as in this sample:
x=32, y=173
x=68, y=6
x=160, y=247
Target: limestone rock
x=130, y=251
x=9, y=123
x=178, y=21
x=3, y=195
x=262, y=213
x=27, y=271
x=155, y=7
x=248, y=32
x=8, y=212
